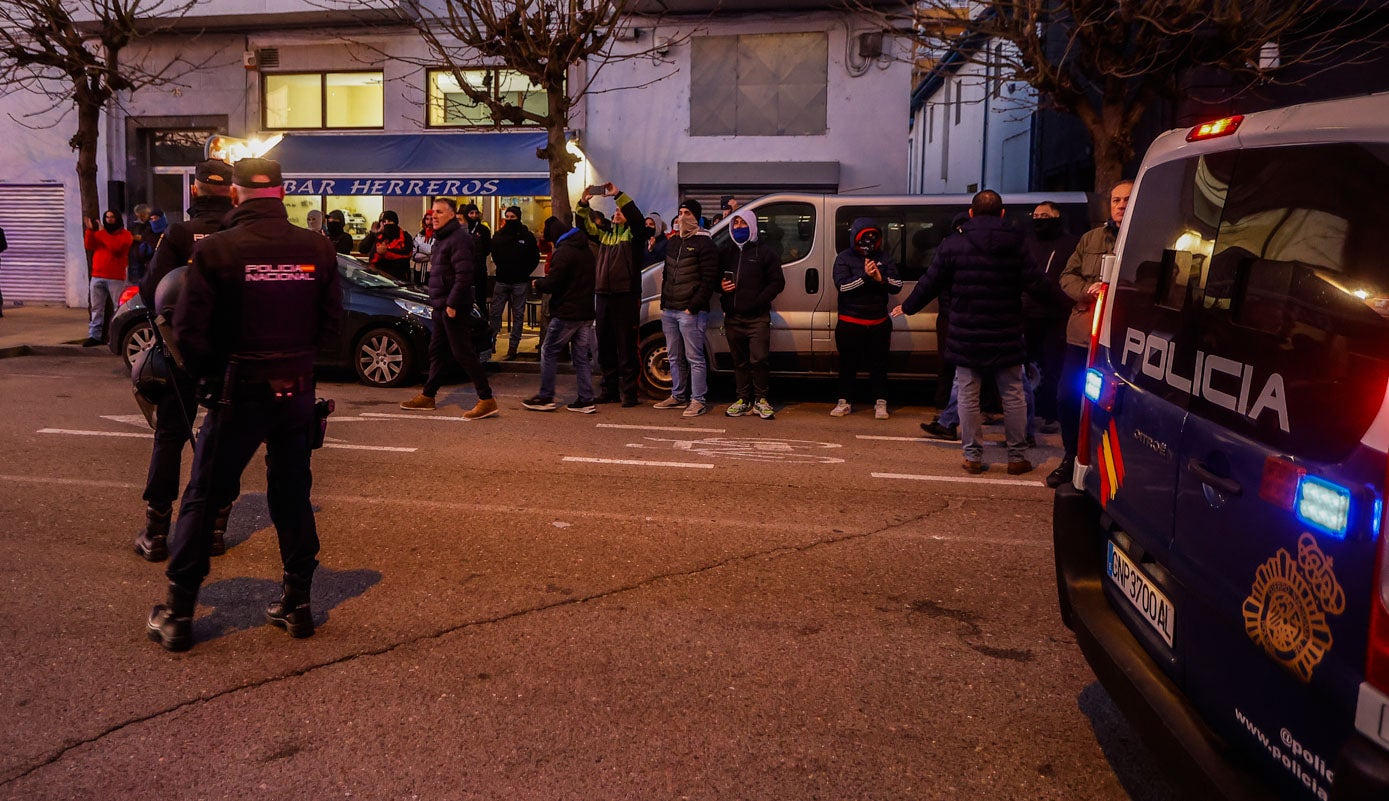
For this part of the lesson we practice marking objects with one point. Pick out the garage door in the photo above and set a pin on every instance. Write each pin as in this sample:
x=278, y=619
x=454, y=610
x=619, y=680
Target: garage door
x=34, y=267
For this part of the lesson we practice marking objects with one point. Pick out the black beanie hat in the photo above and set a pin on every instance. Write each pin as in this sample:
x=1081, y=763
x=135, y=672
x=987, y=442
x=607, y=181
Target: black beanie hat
x=390, y=216
x=694, y=207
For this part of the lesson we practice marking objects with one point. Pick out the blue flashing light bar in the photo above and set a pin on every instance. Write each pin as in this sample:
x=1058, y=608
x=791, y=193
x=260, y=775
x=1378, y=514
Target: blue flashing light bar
x=1323, y=505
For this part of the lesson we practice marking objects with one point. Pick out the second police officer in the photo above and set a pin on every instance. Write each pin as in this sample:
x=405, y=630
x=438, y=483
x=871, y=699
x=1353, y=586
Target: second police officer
x=212, y=182
x=259, y=300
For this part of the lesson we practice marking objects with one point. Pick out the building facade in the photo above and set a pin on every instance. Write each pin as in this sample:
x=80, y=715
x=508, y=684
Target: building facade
x=731, y=103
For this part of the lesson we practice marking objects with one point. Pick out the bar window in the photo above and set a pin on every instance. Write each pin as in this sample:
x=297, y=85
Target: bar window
x=324, y=100
x=449, y=105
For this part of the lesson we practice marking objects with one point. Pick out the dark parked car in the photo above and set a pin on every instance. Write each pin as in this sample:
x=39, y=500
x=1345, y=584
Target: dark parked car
x=385, y=328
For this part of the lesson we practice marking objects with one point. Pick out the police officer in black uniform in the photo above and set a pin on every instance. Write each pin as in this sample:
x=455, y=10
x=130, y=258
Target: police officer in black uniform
x=260, y=299
x=212, y=182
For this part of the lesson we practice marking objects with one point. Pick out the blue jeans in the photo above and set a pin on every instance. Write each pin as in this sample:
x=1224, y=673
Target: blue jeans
x=100, y=290
x=1009, y=381
x=513, y=295
x=557, y=338
x=689, y=373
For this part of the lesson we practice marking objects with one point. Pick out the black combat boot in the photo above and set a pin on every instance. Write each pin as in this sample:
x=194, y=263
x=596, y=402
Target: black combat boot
x=219, y=531
x=171, y=623
x=152, y=542
x=1062, y=473
x=292, y=612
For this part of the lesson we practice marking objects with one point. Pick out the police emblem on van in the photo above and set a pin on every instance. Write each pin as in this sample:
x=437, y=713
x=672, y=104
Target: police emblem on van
x=1285, y=613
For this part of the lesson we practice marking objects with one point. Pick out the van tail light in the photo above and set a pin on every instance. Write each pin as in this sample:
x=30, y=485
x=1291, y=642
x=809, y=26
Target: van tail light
x=1083, y=442
x=1215, y=128
x=126, y=294
x=1377, y=654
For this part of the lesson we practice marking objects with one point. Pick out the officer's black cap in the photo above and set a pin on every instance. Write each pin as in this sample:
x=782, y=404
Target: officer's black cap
x=213, y=171
x=257, y=174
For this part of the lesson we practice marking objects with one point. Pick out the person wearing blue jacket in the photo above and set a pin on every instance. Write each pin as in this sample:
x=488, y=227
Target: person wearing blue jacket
x=865, y=276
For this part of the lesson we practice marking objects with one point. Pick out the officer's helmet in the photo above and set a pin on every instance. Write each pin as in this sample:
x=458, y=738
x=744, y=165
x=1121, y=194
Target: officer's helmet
x=167, y=293
x=150, y=373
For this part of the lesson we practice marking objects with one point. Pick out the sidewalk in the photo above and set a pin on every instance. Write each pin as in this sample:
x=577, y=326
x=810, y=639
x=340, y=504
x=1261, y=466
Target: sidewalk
x=47, y=330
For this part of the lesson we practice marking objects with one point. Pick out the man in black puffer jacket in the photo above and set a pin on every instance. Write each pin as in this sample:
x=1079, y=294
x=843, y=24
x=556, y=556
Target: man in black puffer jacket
x=570, y=286
x=752, y=278
x=984, y=272
x=689, y=279
x=452, y=271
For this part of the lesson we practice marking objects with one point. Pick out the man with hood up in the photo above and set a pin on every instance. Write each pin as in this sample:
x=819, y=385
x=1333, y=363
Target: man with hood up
x=982, y=275
x=688, y=281
x=516, y=254
x=617, y=292
x=752, y=278
x=570, y=287
x=336, y=227
x=391, y=249
x=109, y=244
x=865, y=275
x=482, y=248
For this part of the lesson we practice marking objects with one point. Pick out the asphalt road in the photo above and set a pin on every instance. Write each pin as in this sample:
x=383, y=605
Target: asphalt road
x=803, y=608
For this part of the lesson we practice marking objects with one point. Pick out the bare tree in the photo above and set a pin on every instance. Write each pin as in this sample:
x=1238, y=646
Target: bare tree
x=70, y=52
x=560, y=45
x=1107, y=62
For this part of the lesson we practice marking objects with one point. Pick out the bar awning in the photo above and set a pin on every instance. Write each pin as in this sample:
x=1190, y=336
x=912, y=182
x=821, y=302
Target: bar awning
x=413, y=165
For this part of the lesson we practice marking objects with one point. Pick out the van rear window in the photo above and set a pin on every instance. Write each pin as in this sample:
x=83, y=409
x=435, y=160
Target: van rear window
x=1275, y=260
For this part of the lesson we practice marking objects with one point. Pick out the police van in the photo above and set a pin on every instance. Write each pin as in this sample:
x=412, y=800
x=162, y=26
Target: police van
x=1219, y=552
x=808, y=231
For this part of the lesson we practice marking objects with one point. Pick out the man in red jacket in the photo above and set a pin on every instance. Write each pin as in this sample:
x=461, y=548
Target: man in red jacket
x=109, y=245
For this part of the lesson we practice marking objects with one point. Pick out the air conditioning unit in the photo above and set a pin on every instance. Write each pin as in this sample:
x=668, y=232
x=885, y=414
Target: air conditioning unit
x=249, y=60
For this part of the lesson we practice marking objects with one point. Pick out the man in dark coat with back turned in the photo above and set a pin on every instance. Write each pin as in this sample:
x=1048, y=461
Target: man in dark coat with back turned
x=983, y=274
x=212, y=184
x=259, y=301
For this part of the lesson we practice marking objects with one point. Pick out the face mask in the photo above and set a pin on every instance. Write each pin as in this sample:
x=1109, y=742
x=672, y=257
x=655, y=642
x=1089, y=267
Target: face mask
x=742, y=235
x=1047, y=227
x=866, y=241
x=111, y=227
x=334, y=227
x=687, y=226
x=390, y=230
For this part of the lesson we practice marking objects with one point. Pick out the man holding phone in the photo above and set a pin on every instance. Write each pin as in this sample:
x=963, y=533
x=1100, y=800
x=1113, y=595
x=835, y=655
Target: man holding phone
x=617, y=290
x=752, y=278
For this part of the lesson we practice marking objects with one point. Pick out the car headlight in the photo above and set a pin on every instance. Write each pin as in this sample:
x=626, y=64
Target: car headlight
x=418, y=309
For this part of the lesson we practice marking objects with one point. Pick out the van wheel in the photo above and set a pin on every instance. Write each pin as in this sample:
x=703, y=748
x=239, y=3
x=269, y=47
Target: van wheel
x=383, y=358
x=655, y=369
x=136, y=339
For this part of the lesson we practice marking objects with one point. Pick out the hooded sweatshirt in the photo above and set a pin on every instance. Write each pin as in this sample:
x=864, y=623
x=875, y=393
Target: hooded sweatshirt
x=570, y=280
x=515, y=252
x=755, y=268
x=110, y=249
x=982, y=275
x=656, y=248
x=621, y=248
x=862, y=299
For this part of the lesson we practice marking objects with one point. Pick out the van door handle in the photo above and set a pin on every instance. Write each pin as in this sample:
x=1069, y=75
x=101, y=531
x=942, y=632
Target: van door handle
x=812, y=281
x=1226, y=485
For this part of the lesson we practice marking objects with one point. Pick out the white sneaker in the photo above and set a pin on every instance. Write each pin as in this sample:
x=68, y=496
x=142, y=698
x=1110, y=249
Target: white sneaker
x=880, y=410
x=840, y=409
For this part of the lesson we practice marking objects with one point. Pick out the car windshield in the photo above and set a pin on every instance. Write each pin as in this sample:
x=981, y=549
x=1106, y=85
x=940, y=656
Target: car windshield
x=357, y=273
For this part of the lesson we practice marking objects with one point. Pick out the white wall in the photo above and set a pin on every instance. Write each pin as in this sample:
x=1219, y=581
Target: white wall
x=636, y=138
x=988, y=148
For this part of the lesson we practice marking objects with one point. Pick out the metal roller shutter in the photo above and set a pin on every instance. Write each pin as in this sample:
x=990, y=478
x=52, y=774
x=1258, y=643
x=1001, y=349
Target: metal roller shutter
x=34, y=267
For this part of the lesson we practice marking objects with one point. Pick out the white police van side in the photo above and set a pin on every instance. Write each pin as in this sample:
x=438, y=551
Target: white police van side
x=1220, y=551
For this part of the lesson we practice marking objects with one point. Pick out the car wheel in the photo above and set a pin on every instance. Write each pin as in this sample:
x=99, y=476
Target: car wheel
x=655, y=369
x=383, y=358
x=136, y=339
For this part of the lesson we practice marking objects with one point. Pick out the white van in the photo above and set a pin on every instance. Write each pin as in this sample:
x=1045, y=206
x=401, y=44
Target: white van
x=810, y=230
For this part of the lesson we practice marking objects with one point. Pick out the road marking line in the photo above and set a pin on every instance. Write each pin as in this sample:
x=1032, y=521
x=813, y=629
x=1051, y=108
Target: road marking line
x=1012, y=482
x=147, y=435
x=137, y=420
x=409, y=416
x=892, y=439
x=639, y=462
x=661, y=428
x=74, y=432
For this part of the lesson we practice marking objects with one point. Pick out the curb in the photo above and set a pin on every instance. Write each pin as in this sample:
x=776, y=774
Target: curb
x=53, y=350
